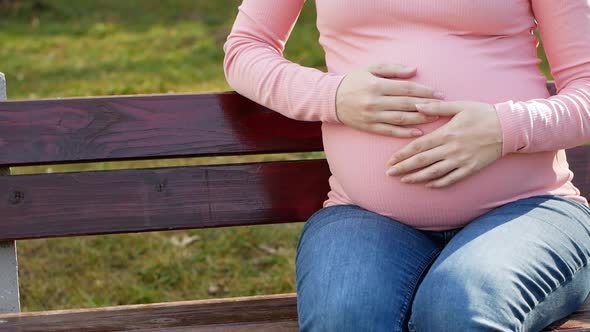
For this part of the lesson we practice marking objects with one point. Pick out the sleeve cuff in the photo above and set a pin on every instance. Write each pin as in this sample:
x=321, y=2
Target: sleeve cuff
x=509, y=116
x=331, y=84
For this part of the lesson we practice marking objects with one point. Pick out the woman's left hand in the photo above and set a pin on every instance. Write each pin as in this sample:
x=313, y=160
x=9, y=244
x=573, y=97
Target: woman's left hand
x=470, y=141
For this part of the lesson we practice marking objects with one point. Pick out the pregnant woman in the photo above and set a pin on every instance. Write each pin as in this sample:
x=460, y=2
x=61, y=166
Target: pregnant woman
x=451, y=205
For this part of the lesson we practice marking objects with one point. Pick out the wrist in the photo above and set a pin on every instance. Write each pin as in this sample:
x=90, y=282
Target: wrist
x=337, y=100
x=508, y=127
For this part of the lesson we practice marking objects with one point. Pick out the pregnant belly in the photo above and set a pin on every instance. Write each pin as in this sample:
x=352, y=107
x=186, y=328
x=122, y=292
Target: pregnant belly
x=358, y=163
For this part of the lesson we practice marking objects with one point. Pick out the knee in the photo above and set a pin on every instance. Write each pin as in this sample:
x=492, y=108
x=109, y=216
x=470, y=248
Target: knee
x=465, y=299
x=435, y=306
x=336, y=314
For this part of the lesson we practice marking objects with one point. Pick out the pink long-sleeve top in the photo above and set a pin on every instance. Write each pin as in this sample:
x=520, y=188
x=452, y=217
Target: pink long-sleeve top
x=476, y=50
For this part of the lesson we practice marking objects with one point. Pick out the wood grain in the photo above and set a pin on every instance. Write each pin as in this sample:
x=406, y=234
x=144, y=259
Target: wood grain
x=579, y=161
x=147, y=127
x=578, y=322
x=257, y=313
x=276, y=326
x=551, y=88
x=140, y=127
x=48, y=205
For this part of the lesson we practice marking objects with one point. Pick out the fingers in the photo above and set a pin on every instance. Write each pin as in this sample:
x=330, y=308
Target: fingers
x=395, y=131
x=419, y=145
x=398, y=118
x=451, y=178
x=439, y=108
x=432, y=172
x=419, y=161
x=386, y=86
x=373, y=100
x=392, y=70
x=400, y=103
x=389, y=87
x=400, y=111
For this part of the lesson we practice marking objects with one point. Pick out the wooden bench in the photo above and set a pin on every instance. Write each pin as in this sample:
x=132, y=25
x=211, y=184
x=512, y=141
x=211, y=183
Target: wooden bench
x=57, y=131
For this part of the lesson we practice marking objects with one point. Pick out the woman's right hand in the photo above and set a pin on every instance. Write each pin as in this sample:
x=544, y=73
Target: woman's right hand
x=372, y=100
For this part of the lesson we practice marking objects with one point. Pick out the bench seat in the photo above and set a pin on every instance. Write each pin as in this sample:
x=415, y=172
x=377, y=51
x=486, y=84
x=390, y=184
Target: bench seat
x=254, y=313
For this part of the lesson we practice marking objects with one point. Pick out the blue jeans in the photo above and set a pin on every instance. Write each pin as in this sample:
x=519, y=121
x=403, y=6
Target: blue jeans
x=517, y=268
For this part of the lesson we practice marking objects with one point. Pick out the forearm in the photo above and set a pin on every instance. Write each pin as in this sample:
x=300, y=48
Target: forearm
x=559, y=122
x=255, y=67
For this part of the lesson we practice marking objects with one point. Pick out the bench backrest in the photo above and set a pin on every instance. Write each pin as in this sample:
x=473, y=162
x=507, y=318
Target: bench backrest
x=149, y=127
x=58, y=131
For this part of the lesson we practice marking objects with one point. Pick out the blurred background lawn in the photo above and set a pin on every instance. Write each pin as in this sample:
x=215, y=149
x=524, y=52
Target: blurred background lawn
x=63, y=48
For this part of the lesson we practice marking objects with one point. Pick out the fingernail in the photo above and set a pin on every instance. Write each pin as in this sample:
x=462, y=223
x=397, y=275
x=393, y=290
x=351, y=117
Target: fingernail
x=416, y=132
x=423, y=107
x=391, y=171
x=439, y=95
x=433, y=118
x=405, y=180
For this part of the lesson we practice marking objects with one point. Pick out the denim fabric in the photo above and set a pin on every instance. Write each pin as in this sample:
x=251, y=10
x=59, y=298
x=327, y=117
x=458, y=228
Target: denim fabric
x=517, y=268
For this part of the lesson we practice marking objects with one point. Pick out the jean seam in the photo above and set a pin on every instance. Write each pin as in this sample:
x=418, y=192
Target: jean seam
x=555, y=227
x=306, y=229
x=524, y=201
x=388, y=223
x=575, y=203
x=410, y=294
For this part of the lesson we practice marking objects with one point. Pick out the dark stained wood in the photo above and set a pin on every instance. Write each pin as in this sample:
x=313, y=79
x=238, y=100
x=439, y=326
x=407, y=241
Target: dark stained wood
x=136, y=127
x=277, y=326
x=257, y=313
x=114, y=128
x=140, y=127
x=579, y=161
x=551, y=88
x=48, y=205
x=578, y=322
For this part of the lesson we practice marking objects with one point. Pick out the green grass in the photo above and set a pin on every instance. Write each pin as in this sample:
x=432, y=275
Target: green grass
x=126, y=47
x=106, y=47
x=80, y=48
x=144, y=268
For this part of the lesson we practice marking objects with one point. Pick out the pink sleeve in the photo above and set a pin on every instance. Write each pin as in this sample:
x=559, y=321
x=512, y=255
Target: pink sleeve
x=561, y=121
x=255, y=67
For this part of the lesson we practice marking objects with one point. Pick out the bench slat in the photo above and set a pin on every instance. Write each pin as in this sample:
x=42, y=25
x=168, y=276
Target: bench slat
x=140, y=127
x=49, y=205
x=577, y=322
x=255, y=313
x=278, y=326
x=579, y=161
x=136, y=127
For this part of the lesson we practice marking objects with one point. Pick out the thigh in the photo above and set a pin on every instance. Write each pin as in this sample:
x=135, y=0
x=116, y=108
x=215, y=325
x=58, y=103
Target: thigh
x=518, y=268
x=358, y=271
